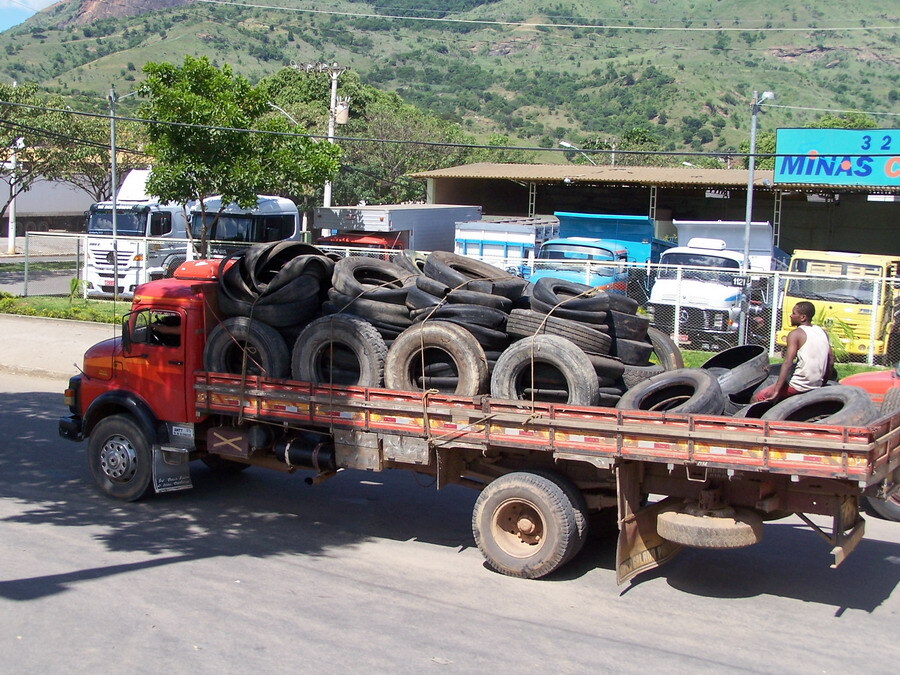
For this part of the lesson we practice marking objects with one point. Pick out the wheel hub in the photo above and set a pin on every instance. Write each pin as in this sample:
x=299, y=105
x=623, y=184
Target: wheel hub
x=118, y=459
x=518, y=528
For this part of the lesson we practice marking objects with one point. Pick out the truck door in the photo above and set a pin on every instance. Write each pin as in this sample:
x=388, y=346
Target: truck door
x=155, y=362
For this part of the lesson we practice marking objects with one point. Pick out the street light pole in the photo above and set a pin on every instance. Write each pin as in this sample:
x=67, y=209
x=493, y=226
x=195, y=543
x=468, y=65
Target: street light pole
x=581, y=152
x=748, y=215
x=335, y=73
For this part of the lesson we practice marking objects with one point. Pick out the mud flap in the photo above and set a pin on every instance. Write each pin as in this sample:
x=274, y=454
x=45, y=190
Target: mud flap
x=639, y=547
x=171, y=469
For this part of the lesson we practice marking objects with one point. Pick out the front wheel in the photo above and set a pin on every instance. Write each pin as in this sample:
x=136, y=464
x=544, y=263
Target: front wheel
x=525, y=525
x=120, y=458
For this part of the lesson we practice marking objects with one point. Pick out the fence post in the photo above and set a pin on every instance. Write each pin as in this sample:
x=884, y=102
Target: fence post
x=873, y=323
x=776, y=312
x=676, y=320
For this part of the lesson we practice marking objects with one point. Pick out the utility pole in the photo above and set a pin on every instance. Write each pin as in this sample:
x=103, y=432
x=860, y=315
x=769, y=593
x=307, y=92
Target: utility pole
x=334, y=71
x=113, y=185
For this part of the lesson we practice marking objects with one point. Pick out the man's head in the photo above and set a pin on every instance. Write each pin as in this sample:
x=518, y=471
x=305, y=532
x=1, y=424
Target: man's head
x=802, y=313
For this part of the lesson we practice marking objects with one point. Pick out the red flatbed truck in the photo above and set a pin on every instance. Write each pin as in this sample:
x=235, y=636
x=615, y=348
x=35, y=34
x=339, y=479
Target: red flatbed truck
x=148, y=408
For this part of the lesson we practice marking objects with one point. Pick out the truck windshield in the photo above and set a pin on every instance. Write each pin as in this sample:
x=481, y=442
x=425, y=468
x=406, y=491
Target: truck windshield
x=835, y=281
x=244, y=228
x=672, y=261
x=575, y=252
x=128, y=223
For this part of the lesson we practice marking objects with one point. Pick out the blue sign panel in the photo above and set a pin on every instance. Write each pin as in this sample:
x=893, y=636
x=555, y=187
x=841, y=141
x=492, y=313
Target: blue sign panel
x=849, y=157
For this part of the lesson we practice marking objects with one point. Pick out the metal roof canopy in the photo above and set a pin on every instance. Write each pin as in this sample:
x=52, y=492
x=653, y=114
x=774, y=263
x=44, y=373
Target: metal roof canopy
x=638, y=176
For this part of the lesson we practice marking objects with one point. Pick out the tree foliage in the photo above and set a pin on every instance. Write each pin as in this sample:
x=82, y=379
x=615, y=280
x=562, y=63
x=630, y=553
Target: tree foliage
x=201, y=147
x=410, y=140
x=33, y=127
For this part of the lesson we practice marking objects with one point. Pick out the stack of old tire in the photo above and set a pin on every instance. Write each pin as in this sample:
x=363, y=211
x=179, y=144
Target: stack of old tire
x=605, y=328
x=266, y=293
x=459, y=308
x=726, y=383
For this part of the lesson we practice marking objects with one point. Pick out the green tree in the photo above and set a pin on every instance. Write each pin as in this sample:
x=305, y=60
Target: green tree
x=200, y=143
x=86, y=165
x=847, y=120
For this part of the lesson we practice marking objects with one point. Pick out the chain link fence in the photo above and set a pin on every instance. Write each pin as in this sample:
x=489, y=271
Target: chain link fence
x=708, y=309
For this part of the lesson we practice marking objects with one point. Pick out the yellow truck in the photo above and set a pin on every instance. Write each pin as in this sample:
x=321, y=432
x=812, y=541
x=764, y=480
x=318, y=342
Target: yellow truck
x=857, y=299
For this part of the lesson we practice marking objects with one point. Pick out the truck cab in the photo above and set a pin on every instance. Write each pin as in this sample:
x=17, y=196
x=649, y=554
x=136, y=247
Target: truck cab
x=231, y=227
x=856, y=296
x=584, y=260
x=148, y=238
x=703, y=281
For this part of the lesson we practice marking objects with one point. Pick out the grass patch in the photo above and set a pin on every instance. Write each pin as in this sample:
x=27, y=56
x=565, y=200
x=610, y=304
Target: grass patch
x=101, y=311
x=49, y=266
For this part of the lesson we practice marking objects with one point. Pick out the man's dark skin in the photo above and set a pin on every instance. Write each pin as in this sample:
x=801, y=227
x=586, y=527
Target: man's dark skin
x=795, y=339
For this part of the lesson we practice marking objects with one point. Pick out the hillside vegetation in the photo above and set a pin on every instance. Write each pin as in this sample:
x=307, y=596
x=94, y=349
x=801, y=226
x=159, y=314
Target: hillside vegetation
x=535, y=70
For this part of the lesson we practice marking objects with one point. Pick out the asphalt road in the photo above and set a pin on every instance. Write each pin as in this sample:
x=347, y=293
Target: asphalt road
x=260, y=572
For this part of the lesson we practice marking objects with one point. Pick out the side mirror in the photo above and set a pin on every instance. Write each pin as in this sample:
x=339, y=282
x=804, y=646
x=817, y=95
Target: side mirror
x=126, y=334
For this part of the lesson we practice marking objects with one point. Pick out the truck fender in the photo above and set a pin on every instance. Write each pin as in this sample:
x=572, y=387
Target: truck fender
x=117, y=402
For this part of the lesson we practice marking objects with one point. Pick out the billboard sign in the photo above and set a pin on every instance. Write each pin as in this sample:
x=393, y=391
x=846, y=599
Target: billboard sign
x=842, y=157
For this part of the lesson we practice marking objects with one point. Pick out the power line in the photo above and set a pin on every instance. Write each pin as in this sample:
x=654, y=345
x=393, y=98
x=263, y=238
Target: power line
x=522, y=24
x=799, y=107
x=436, y=144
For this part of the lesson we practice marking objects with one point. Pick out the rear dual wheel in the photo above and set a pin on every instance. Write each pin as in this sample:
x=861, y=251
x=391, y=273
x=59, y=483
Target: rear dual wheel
x=527, y=524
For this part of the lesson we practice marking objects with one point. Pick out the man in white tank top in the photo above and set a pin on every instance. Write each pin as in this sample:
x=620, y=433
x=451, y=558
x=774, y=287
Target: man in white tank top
x=810, y=347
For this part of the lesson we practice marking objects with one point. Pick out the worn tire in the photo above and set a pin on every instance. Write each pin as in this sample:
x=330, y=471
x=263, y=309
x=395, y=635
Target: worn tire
x=744, y=528
x=477, y=315
x=689, y=390
x=632, y=352
x=891, y=402
x=267, y=353
x=513, y=375
x=373, y=310
x=442, y=341
x=460, y=272
x=120, y=458
x=525, y=323
x=579, y=507
x=624, y=326
x=889, y=509
x=667, y=352
x=524, y=525
x=411, y=261
x=839, y=405
x=634, y=375
x=584, y=316
x=740, y=367
x=372, y=279
x=339, y=349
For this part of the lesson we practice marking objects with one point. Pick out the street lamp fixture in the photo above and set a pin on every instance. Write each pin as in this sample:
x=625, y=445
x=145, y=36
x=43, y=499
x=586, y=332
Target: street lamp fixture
x=755, y=107
x=581, y=152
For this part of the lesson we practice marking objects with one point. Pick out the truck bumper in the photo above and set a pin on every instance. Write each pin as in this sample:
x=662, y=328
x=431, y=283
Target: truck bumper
x=70, y=428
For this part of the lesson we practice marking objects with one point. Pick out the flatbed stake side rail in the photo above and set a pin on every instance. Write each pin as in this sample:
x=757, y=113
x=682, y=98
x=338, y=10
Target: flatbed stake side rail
x=865, y=455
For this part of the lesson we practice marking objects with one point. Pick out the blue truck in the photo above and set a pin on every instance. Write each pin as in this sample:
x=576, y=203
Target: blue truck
x=591, y=248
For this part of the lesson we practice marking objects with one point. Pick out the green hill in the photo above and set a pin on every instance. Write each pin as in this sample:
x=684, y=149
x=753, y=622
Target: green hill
x=537, y=70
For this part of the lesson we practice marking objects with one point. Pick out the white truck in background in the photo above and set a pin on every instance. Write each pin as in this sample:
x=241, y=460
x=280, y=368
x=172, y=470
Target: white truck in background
x=149, y=237
x=700, y=291
x=152, y=239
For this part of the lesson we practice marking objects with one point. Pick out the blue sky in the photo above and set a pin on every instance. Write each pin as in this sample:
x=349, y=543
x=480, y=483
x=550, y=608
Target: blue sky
x=14, y=12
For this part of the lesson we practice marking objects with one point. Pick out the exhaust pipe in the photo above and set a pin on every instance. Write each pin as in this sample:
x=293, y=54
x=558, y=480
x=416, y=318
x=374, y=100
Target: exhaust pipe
x=307, y=452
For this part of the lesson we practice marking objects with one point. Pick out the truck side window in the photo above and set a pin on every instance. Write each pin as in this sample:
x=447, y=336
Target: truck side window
x=160, y=224
x=157, y=328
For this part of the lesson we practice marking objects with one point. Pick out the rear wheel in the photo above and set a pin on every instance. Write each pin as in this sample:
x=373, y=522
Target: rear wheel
x=525, y=525
x=120, y=458
x=889, y=509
